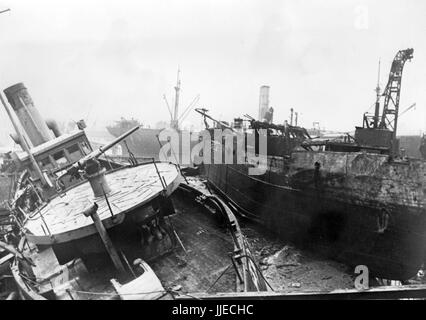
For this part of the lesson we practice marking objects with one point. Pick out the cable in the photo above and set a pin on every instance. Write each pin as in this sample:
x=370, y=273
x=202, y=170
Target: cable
x=220, y=276
x=257, y=268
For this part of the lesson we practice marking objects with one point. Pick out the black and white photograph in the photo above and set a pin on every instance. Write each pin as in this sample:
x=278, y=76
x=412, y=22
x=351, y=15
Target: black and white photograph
x=212, y=153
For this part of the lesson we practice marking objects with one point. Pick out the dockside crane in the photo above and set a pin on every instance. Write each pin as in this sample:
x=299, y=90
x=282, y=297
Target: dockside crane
x=379, y=130
x=392, y=92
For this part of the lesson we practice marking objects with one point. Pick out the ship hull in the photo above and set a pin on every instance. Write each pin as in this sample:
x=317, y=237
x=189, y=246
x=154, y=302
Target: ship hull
x=346, y=228
x=148, y=144
x=143, y=143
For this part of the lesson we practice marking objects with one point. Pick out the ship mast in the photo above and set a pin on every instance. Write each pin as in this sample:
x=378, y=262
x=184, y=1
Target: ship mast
x=175, y=122
x=377, y=106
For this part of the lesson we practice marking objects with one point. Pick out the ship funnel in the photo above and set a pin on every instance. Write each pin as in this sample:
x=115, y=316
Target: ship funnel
x=28, y=115
x=263, y=102
x=53, y=125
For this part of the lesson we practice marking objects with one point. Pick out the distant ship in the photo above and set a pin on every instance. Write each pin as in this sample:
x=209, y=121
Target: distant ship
x=145, y=143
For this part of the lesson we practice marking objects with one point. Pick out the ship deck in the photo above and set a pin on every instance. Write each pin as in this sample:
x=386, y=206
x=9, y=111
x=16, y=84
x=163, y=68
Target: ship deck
x=199, y=264
x=131, y=187
x=206, y=254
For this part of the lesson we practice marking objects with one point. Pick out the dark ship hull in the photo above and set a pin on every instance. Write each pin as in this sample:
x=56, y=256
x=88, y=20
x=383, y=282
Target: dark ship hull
x=361, y=208
x=411, y=146
x=145, y=144
x=358, y=196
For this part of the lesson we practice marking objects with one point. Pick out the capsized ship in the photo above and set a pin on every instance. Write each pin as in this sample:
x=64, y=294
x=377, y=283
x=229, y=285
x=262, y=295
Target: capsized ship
x=90, y=228
x=354, y=197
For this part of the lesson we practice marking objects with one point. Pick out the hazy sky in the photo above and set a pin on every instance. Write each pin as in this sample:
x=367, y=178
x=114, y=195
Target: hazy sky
x=100, y=60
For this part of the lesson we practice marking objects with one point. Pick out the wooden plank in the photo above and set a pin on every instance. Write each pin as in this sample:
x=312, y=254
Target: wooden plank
x=6, y=258
x=386, y=292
